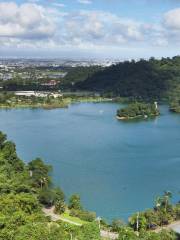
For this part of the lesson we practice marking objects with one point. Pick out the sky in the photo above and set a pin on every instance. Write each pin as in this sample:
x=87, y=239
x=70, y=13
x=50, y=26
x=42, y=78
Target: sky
x=121, y=29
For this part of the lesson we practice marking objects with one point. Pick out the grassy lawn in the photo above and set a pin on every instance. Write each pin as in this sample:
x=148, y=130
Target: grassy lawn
x=73, y=219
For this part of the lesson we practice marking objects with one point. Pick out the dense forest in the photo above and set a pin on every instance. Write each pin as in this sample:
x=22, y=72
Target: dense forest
x=79, y=74
x=145, y=79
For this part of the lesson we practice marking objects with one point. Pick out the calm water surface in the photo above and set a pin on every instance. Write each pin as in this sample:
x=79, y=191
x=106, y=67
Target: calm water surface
x=118, y=168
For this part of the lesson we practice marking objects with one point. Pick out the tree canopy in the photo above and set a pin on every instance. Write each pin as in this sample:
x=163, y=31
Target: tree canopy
x=24, y=189
x=144, y=79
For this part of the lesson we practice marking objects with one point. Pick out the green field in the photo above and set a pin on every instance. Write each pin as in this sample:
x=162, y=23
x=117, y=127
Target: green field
x=76, y=220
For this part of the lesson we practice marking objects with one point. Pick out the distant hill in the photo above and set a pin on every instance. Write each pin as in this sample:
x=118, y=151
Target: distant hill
x=78, y=74
x=152, y=79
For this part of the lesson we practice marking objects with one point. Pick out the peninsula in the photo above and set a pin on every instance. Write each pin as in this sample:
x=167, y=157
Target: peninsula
x=45, y=100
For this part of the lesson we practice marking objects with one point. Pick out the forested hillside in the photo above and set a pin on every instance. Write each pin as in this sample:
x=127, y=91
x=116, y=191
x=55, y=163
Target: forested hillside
x=152, y=79
x=24, y=190
x=76, y=74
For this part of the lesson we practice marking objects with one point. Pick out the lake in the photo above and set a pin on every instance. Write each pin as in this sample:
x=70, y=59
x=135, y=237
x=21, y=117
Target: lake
x=118, y=168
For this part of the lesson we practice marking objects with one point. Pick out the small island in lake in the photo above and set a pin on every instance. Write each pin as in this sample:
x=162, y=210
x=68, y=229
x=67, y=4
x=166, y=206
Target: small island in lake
x=138, y=111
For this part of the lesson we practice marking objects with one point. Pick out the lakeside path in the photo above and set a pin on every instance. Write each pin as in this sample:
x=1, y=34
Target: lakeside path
x=55, y=217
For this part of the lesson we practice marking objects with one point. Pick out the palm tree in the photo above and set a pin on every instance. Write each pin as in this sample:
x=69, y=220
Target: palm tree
x=163, y=201
x=43, y=181
x=167, y=196
x=158, y=202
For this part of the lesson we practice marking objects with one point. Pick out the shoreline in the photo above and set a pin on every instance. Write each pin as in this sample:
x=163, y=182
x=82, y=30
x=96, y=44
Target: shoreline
x=136, y=118
x=65, y=104
x=174, y=110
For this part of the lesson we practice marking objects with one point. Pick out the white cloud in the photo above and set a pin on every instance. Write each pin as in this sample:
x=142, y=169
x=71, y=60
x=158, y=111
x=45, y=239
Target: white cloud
x=172, y=19
x=32, y=22
x=85, y=1
x=25, y=21
x=100, y=28
x=31, y=25
x=171, y=26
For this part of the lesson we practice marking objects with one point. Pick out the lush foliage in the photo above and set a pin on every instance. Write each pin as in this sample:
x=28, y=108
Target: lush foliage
x=9, y=100
x=76, y=209
x=162, y=214
x=152, y=79
x=129, y=234
x=78, y=74
x=138, y=110
x=23, y=188
x=175, y=106
x=32, y=78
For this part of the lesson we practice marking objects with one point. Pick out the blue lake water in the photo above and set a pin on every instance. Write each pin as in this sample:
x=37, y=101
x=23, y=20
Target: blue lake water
x=118, y=168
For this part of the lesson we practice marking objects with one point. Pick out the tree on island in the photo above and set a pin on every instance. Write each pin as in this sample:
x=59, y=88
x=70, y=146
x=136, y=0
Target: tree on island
x=138, y=110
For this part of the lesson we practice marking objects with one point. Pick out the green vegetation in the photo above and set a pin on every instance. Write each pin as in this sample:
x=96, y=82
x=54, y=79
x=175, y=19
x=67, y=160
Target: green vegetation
x=128, y=234
x=144, y=80
x=141, y=226
x=9, y=100
x=36, y=78
x=163, y=214
x=83, y=215
x=175, y=106
x=138, y=110
x=74, y=202
x=147, y=80
x=24, y=189
x=76, y=209
x=78, y=74
x=66, y=215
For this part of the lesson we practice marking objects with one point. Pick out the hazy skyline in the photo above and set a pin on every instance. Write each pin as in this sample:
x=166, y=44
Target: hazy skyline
x=89, y=28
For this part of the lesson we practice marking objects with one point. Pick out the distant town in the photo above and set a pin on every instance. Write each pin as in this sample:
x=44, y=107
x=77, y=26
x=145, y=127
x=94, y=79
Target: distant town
x=45, y=75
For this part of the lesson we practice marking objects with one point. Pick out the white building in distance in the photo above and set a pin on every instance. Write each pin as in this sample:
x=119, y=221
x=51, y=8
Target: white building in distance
x=37, y=94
